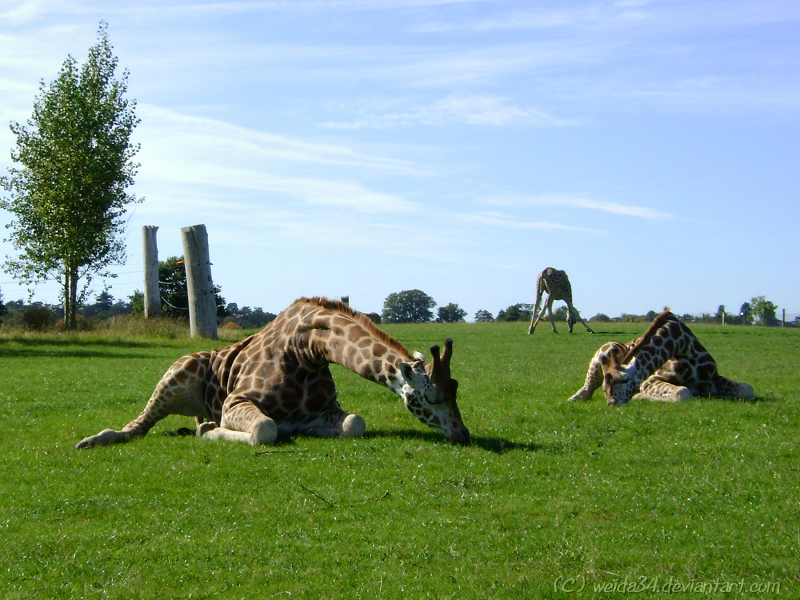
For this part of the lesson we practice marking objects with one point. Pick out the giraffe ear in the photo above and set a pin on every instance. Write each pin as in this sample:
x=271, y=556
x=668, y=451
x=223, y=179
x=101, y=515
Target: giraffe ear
x=406, y=371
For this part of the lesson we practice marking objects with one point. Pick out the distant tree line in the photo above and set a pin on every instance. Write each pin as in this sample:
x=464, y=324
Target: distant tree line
x=410, y=306
x=38, y=316
x=415, y=306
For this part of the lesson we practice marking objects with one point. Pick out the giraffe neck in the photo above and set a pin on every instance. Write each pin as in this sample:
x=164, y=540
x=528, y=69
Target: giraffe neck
x=352, y=341
x=671, y=340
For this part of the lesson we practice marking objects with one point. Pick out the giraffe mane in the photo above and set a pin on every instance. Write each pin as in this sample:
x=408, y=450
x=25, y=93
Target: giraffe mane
x=359, y=317
x=657, y=323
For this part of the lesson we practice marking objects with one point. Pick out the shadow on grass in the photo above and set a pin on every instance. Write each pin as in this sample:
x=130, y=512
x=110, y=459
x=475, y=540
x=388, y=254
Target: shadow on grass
x=33, y=347
x=491, y=444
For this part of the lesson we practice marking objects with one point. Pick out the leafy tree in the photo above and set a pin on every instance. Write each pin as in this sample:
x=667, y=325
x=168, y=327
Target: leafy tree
x=517, y=312
x=175, y=290
x=720, y=311
x=68, y=196
x=483, y=316
x=745, y=311
x=561, y=313
x=246, y=317
x=410, y=306
x=601, y=318
x=3, y=309
x=136, y=301
x=764, y=310
x=451, y=313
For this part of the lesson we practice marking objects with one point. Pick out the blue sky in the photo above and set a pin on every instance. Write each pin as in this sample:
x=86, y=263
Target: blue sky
x=360, y=147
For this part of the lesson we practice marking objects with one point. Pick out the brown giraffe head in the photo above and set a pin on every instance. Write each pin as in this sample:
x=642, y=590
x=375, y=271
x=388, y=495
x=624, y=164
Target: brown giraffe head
x=429, y=392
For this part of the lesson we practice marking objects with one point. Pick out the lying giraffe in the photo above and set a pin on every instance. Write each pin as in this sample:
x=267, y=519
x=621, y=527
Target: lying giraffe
x=277, y=382
x=666, y=364
x=556, y=284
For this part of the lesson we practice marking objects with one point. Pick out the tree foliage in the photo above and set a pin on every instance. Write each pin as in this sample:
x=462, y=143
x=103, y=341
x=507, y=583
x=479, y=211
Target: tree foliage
x=516, y=312
x=246, y=317
x=410, y=306
x=175, y=290
x=483, y=316
x=764, y=310
x=746, y=311
x=68, y=193
x=451, y=313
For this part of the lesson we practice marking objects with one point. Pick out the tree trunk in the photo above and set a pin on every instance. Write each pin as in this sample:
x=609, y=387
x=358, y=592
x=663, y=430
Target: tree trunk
x=70, y=298
x=73, y=319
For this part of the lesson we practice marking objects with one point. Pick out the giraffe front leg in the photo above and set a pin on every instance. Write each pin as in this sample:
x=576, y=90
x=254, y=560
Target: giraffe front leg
x=242, y=421
x=535, y=315
x=656, y=389
x=577, y=318
x=338, y=424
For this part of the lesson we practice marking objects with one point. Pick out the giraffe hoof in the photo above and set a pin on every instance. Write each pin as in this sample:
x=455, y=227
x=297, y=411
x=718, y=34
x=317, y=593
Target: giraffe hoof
x=204, y=428
x=264, y=433
x=682, y=394
x=104, y=438
x=353, y=427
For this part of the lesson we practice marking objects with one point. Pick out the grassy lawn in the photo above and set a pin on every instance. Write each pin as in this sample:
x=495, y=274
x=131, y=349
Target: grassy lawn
x=552, y=499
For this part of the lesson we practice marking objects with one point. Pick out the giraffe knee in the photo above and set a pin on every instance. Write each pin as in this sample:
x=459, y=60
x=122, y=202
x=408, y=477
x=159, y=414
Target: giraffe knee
x=353, y=427
x=264, y=432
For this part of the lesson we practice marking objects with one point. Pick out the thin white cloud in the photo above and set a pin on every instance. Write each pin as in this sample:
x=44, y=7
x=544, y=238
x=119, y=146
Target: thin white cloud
x=207, y=153
x=512, y=222
x=563, y=200
x=459, y=109
x=215, y=137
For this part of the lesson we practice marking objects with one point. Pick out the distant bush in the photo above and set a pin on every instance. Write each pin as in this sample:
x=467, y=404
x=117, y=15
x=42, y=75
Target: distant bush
x=517, y=312
x=601, y=318
x=37, y=318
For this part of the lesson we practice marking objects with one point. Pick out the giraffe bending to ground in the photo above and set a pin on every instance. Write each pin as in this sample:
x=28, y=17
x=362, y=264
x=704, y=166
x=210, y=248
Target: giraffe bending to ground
x=277, y=382
x=556, y=284
x=667, y=364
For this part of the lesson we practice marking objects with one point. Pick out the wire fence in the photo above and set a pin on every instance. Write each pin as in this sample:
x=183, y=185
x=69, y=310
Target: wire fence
x=782, y=318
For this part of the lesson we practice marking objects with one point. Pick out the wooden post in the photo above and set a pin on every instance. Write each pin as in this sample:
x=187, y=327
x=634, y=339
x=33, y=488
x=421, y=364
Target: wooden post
x=202, y=301
x=152, y=292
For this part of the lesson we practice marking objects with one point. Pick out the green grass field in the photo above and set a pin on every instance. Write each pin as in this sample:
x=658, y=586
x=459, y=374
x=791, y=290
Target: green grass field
x=552, y=499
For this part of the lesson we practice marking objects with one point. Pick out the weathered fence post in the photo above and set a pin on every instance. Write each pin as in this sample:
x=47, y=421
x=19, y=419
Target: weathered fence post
x=152, y=292
x=202, y=301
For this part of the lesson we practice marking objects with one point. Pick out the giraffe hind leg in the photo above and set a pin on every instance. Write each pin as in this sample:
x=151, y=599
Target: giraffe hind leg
x=732, y=389
x=180, y=392
x=594, y=377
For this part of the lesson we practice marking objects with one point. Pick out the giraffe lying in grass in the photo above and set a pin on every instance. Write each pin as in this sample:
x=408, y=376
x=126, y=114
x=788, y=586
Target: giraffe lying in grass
x=277, y=382
x=666, y=364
